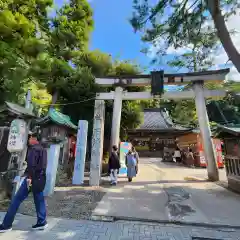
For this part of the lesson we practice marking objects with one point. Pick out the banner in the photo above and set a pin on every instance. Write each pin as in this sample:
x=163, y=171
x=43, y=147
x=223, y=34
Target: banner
x=124, y=148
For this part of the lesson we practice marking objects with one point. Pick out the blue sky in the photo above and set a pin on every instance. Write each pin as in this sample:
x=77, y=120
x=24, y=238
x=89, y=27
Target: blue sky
x=113, y=33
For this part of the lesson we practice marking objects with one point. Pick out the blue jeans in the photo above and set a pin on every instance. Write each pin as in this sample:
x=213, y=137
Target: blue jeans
x=21, y=195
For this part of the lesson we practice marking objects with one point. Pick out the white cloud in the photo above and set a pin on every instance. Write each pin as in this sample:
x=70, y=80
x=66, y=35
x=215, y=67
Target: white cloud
x=220, y=58
x=179, y=51
x=232, y=24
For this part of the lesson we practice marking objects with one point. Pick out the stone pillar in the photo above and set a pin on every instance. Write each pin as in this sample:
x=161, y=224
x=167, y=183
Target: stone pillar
x=52, y=166
x=116, y=117
x=97, y=143
x=81, y=146
x=205, y=130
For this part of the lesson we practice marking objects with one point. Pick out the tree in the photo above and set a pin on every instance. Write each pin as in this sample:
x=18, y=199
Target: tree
x=170, y=21
x=197, y=57
x=199, y=54
x=20, y=21
x=50, y=55
x=100, y=63
x=66, y=35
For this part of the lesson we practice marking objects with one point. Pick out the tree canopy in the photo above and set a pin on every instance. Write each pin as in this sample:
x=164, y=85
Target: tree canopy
x=173, y=23
x=49, y=54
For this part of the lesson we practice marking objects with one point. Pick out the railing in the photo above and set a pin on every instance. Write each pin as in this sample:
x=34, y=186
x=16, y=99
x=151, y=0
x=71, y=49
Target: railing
x=232, y=166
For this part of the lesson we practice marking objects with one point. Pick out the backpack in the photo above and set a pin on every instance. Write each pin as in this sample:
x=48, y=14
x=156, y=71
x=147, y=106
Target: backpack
x=131, y=160
x=37, y=158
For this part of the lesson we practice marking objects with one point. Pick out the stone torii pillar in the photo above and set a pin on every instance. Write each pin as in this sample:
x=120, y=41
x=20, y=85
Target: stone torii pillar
x=116, y=117
x=205, y=130
x=97, y=143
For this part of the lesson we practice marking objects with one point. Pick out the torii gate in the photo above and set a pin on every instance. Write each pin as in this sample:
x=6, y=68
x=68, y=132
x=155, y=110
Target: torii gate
x=197, y=79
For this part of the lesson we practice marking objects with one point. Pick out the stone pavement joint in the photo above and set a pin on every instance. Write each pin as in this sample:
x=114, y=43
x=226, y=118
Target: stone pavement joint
x=170, y=222
x=60, y=229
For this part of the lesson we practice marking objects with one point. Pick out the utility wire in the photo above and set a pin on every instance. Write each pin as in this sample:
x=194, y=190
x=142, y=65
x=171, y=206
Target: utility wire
x=65, y=104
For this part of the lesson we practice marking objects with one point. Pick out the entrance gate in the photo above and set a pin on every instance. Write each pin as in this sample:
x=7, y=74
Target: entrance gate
x=197, y=91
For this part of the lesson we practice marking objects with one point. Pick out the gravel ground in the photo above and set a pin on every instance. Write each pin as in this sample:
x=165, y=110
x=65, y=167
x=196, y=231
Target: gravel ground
x=66, y=202
x=71, y=202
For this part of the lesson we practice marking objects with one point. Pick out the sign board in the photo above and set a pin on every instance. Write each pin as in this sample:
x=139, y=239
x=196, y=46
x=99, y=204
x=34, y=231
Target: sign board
x=124, y=148
x=17, y=137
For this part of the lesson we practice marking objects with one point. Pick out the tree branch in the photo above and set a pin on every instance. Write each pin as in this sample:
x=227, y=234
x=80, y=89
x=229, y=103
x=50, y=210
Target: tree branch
x=223, y=33
x=160, y=5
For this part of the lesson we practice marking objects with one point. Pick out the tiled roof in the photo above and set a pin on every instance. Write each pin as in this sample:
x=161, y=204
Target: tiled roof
x=153, y=120
x=59, y=118
x=158, y=119
x=18, y=110
x=232, y=129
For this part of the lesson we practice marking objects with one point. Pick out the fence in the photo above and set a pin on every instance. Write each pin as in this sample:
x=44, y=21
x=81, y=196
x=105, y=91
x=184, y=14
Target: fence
x=232, y=165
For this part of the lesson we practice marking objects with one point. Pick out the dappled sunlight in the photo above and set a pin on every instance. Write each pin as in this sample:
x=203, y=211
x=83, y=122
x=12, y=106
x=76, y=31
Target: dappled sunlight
x=154, y=185
x=154, y=192
x=115, y=190
x=117, y=198
x=66, y=235
x=133, y=187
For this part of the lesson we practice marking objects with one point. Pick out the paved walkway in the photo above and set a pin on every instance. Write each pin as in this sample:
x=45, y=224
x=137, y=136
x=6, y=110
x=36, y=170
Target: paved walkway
x=161, y=193
x=62, y=229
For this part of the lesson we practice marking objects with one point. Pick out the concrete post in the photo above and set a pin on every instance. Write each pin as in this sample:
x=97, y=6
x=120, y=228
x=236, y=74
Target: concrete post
x=97, y=143
x=200, y=102
x=28, y=101
x=81, y=146
x=116, y=117
x=52, y=167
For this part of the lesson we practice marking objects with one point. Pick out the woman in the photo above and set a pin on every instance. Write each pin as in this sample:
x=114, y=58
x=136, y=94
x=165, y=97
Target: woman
x=137, y=157
x=131, y=163
x=177, y=155
x=71, y=161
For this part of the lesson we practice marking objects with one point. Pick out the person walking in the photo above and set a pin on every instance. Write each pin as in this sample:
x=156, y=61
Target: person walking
x=71, y=162
x=177, y=155
x=114, y=165
x=191, y=158
x=136, y=155
x=34, y=180
x=131, y=163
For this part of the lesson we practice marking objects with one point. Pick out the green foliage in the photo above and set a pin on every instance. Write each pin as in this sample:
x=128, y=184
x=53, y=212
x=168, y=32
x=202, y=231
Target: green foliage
x=71, y=28
x=173, y=23
x=185, y=113
x=99, y=63
x=124, y=68
x=132, y=117
x=19, y=22
x=50, y=55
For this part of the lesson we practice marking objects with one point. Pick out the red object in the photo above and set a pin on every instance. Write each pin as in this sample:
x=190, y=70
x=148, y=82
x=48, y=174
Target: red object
x=218, y=149
x=72, y=144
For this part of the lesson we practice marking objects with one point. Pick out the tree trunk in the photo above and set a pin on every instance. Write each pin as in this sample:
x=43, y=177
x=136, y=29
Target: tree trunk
x=54, y=99
x=223, y=33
